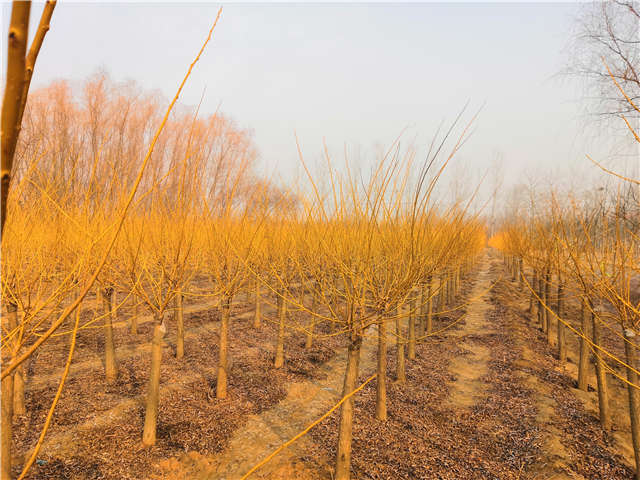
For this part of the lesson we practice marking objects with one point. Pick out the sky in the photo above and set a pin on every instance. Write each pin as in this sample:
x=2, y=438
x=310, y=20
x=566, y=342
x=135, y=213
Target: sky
x=354, y=75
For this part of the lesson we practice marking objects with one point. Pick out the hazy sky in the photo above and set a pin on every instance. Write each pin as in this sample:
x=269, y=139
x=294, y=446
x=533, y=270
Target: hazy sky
x=350, y=73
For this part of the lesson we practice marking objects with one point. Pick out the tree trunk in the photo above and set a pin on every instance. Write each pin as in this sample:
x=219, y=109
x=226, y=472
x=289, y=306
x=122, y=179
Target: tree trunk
x=7, y=406
x=540, y=293
x=343, y=457
x=583, y=363
x=531, y=296
x=18, y=382
x=422, y=313
x=110, y=365
x=133, y=326
x=7, y=426
x=547, y=302
x=429, y=324
x=180, y=326
x=441, y=296
x=634, y=396
x=256, y=315
x=312, y=322
x=223, y=360
x=601, y=377
x=520, y=273
x=153, y=393
x=18, y=375
x=279, y=360
x=412, y=329
x=562, y=344
x=381, y=379
x=400, y=364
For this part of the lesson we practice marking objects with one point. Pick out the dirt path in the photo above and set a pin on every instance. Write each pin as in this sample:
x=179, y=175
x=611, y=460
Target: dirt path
x=507, y=382
x=469, y=369
x=262, y=434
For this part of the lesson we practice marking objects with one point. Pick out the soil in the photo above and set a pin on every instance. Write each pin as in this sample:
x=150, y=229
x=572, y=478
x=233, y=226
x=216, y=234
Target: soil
x=485, y=398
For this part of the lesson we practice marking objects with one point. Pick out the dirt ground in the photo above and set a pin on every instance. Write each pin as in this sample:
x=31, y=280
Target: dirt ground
x=484, y=399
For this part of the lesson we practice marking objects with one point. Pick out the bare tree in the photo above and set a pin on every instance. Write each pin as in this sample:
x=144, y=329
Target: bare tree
x=608, y=35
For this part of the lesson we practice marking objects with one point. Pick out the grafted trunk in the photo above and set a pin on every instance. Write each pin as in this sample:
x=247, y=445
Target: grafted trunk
x=634, y=395
x=583, y=363
x=110, y=364
x=601, y=377
x=279, y=360
x=400, y=363
x=562, y=344
x=153, y=391
x=180, y=326
x=223, y=359
x=381, y=379
x=257, y=314
x=343, y=457
x=412, y=329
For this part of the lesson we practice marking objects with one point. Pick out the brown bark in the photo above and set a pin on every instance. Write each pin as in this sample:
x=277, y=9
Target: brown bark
x=7, y=406
x=429, y=320
x=110, y=365
x=223, y=360
x=583, y=362
x=256, y=314
x=312, y=322
x=18, y=392
x=18, y=375
x=180, y=327
x=540, y=294
x=411, y=353
x=7, y=426
x=547, y=302
x=422, y=313
x=531, y=296
x=133, y=326
x=601, y=377
x=153, y=392
x=343, y=457
x=400, y=363
x=441, y=296
x=520, y=273
x=562, y=343
x=634, y=395
x=381, y=379
x=279, y=360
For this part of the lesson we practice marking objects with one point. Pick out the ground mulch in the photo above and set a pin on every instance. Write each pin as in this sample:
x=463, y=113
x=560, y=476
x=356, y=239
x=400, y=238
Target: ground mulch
x=105, y=421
